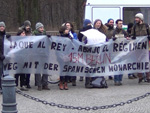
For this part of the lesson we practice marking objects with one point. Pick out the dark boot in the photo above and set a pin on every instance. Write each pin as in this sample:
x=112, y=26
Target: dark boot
x=45, y=88
x=39, y=88
x=28, y=86
x=73, y=82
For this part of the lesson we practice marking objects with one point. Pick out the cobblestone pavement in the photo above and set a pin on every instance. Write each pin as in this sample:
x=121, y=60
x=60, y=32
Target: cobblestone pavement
x=80, y=96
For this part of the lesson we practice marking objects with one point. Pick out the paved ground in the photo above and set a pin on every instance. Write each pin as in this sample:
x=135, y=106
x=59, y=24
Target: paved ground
x=79, y=96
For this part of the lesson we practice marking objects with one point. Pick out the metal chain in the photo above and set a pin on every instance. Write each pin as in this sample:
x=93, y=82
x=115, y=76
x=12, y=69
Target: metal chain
x=82, y=108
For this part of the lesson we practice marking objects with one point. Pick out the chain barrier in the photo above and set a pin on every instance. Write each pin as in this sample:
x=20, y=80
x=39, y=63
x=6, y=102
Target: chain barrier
x=82, y=108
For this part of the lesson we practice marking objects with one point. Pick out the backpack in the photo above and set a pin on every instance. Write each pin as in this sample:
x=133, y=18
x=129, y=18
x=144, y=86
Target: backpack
x=99, y=82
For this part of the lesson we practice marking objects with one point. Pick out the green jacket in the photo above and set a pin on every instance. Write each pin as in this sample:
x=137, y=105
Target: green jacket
x=37, y=33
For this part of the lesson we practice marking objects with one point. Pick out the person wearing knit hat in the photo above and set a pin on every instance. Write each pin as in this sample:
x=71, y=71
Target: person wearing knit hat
x=38, y=25
x=41, y=80
x=140, y=16
x=27, y=23
x=2, y=57
x=2, y=24
x=27, y=28
x=141, y=28
x=86, y=22
x=39, y=29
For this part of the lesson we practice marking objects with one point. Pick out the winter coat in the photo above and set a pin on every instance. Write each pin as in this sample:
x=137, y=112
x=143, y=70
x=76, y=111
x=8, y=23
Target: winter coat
x=38, y=33
x=2, y=35
x=110, y=31
x=119, y=33
x=140, y=30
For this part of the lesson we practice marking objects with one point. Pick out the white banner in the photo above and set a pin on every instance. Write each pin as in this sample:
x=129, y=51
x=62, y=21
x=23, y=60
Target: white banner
x=62, y=56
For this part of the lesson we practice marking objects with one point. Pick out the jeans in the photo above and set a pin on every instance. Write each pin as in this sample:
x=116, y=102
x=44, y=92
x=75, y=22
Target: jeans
x=118, y=78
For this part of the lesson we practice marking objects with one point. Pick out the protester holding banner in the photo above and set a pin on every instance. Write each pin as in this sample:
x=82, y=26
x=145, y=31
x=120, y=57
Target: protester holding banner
x=99, y=26
x=72, y=33
x=129, y=29
x=21, y=32
x=87, y=24
x=2, y=57
x=141, y=29
x=28, y=31
x=119, y=33
x=64, y=32
x=40, y=80
x=110, y=28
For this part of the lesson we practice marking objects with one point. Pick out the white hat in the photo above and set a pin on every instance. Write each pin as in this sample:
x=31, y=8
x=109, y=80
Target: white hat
x=139, y=15
x=38, y=25
x=2, y=24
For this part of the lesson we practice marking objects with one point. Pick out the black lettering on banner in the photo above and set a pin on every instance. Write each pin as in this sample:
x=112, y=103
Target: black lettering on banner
x=144, y=45
x=120, y=68
x=31, y=64
x=59, y=46
x=41, y=45
x=80, y=48
x=36, y=64
x=53, y=46
x=115, y=67
x=105, y=49
x=121, y=46
x=65, y=68
x=125, y=67
x=138, y=66
x=146, y=65
x=125, y=48
x=111, y=68
x=115, y=47
x=55, y=67
x=13, y=44
x=10, y=66
x=133, y=66
x=51, y=66
x=129, y=66
x=86, y=70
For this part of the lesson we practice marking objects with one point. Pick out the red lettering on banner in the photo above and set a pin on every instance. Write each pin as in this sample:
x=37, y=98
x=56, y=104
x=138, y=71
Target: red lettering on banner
x=90, y=59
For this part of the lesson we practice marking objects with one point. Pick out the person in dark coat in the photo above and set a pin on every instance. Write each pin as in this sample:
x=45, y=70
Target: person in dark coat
x=22, y=76
x=72, y=33
x=41, y=80
x=119, y=33
x=141, y=28
x=110, y=28
x=2, y=57
x=64, y=32
x=87, y=24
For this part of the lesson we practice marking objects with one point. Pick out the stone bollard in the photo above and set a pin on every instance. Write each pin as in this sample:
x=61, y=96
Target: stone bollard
x=9, y=95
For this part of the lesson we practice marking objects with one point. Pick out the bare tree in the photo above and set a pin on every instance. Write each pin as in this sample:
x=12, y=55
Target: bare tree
x=52, y=13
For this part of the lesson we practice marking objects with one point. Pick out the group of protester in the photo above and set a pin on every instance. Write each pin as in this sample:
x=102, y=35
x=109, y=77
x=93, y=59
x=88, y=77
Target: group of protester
x=139, y=28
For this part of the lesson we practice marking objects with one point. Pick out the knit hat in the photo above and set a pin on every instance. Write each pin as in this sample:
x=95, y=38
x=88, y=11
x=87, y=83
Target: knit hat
x=2, y=24
x=109, y=20
x=27, y=23
x=86, y=22
x=38, y=25
x=139, y=15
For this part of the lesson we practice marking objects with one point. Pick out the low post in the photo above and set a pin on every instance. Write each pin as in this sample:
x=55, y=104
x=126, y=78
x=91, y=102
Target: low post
x=9, y=95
